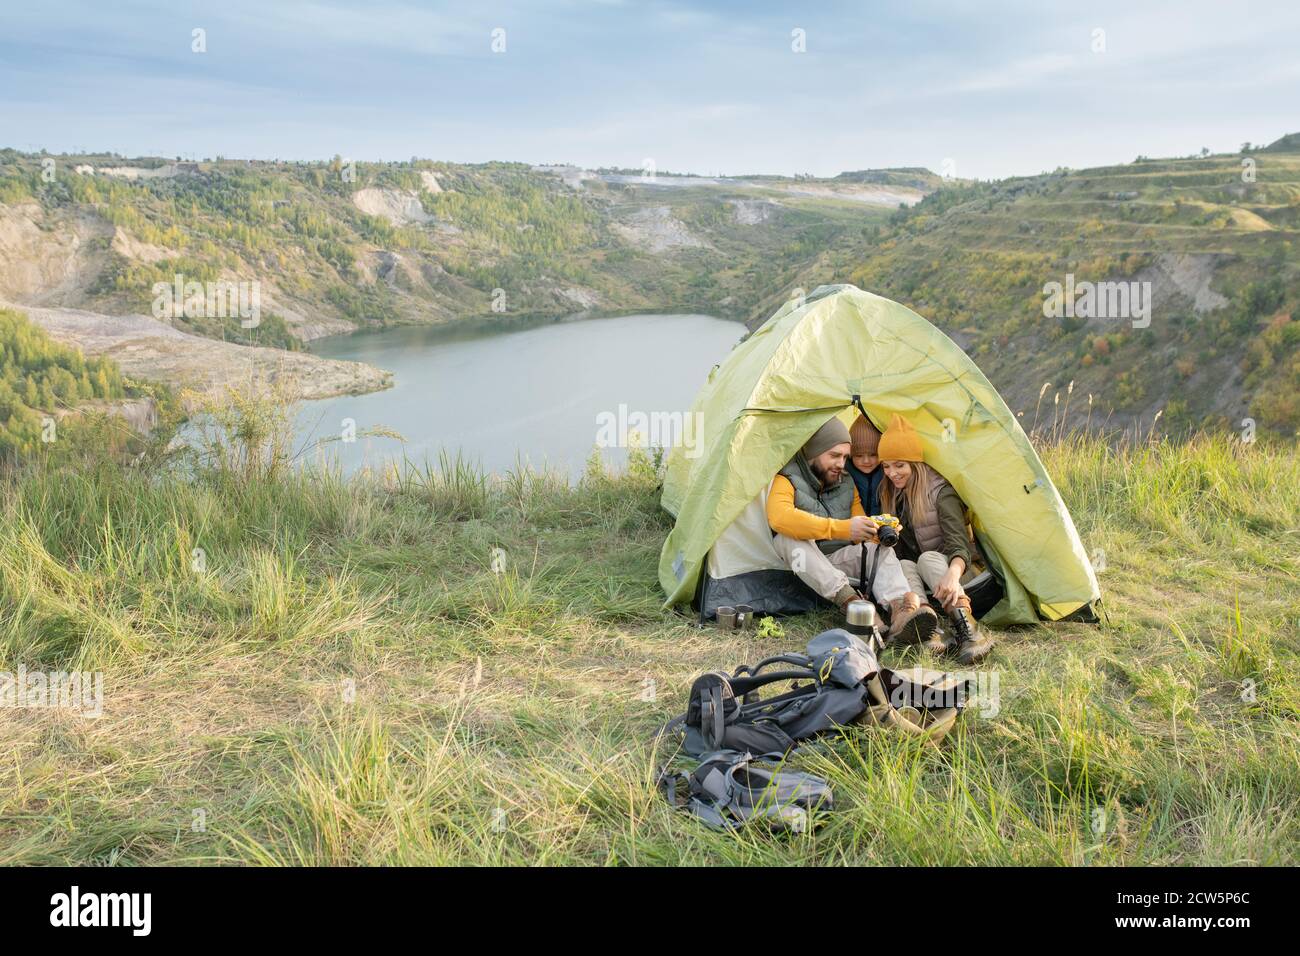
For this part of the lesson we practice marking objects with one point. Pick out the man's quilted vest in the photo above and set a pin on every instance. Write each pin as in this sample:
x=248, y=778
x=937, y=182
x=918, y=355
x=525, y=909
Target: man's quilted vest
x=834, y=502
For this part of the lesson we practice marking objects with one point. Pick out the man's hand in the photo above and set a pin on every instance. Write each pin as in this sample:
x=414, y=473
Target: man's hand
x=862, y=529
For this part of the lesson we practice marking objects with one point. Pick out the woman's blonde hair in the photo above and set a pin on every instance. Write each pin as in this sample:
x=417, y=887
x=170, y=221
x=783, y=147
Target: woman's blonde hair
x=916, y=492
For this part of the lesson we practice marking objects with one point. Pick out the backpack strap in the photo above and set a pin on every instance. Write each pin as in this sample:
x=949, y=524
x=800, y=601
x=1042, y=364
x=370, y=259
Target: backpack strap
x=672, y=726
x=743, y=686
x=798, y=660
x=713, y=717
x=713, y=722
x=708, y=715
x=749, y=709
x=749, y=695
x=669, y=783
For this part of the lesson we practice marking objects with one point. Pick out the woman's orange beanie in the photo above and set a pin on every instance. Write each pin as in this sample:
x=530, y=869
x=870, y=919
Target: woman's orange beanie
x=900, y=442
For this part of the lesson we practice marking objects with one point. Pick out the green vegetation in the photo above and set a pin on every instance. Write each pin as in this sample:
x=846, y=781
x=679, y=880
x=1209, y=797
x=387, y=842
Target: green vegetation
x=38, y=379
x=300, y=668
x=271, y=330
x=973, y=257
x=520, y=227
x=916, y=177
x=491, y=226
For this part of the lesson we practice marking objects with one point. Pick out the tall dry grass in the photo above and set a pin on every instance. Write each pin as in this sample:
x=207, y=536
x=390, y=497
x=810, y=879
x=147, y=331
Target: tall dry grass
x=447, y=667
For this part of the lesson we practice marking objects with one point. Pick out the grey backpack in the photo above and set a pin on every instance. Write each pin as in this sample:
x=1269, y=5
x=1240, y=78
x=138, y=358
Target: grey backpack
x=837, y=682
x=729, y=789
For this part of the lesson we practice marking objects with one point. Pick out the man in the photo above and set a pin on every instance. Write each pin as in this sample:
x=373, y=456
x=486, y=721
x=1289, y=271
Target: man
x=819, y=529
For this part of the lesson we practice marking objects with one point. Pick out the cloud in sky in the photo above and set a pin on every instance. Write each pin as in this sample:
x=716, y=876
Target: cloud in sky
x=1000, y=88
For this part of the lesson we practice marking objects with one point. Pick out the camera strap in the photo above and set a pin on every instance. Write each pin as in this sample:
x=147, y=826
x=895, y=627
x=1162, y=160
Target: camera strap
x=867, y=581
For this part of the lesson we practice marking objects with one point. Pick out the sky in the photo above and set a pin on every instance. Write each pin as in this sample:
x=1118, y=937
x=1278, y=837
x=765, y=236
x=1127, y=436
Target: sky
x=986, y=90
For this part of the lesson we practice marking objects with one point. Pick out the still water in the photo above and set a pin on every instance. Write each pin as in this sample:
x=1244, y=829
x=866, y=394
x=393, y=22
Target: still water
x=537, y=396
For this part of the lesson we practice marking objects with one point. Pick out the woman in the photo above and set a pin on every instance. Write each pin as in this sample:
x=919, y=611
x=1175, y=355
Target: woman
x=933, y=548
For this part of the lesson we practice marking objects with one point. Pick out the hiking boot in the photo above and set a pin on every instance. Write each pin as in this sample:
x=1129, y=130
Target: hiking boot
x=972, y=644
x=911, y=627
x=941, y=641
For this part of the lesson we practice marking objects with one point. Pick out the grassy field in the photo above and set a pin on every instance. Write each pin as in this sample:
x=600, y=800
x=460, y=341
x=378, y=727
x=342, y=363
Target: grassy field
x=338, y=675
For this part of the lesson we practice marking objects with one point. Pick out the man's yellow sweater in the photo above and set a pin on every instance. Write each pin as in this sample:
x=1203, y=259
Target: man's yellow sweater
x=788, y=520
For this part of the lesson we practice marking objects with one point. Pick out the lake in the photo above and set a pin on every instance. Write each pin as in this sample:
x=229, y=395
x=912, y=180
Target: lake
x=538, y=396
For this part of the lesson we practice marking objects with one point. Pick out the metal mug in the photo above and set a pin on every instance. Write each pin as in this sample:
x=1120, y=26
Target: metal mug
x=744, y=617
x=727, y=617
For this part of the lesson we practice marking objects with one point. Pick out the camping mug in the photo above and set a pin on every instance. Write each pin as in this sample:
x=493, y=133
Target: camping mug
x=727, y=618
x=744, y=617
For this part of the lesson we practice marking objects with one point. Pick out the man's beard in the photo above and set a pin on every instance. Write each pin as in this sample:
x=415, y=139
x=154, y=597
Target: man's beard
x=821, y=475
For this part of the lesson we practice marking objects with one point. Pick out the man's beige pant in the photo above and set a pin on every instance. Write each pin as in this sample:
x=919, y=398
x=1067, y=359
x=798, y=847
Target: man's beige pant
x=924, y=574
x=827, y=574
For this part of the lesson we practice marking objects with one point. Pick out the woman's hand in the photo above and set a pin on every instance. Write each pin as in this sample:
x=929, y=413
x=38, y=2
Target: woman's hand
x=950, y=589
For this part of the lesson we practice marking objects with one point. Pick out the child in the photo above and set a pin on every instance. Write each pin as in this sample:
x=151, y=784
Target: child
x=864, y=465
x=933, y=548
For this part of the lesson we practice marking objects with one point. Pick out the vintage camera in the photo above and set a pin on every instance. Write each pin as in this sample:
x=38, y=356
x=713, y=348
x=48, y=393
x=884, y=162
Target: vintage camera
x=887, y=534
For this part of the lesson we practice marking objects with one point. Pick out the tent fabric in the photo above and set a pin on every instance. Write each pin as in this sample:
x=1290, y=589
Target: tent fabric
x=804, y=365
x=743, y=567
x=747, y=543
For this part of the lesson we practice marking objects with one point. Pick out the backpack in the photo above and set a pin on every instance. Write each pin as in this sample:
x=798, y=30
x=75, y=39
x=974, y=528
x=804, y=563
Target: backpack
x=836, y=682
x=729, y=789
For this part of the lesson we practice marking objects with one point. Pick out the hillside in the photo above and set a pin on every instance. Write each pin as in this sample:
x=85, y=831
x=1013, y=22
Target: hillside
x=337, y=246
x=1220, y=252
x=40, y=380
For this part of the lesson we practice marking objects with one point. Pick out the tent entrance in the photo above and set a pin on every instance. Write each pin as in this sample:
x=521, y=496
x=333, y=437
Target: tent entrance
x=810, y=360
x=742, y=567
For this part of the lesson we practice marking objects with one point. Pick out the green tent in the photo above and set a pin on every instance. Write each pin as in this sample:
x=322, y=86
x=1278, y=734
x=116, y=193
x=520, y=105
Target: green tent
x=805, y=364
